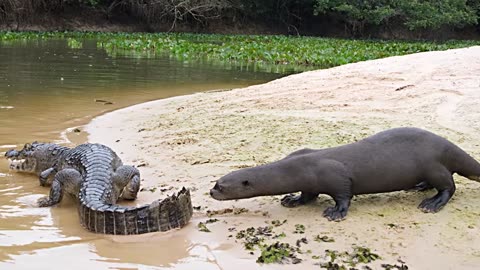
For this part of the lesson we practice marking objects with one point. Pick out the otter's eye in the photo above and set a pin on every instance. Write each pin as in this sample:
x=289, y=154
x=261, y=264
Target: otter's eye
x=246, y=183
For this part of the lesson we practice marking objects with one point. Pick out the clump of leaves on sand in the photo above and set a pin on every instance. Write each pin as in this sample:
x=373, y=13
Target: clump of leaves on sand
x=278, y=253
x=202, y=226
x=348, y=260
x=269, y=253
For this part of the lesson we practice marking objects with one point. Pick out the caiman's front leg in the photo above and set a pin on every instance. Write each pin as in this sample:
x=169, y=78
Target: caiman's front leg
x=127, y=180
x=66, y=180
x=45, y=175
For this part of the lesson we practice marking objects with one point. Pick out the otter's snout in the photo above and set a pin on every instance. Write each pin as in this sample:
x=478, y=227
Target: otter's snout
x=216, y=192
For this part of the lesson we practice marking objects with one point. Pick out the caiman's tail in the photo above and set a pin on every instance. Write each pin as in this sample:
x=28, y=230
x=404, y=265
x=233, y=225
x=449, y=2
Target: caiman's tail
x=161, y=215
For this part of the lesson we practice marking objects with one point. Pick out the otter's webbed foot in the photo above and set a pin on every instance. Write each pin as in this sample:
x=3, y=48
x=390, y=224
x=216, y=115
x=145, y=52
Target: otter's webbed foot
x=437, y=202
x=337, y=212
x=292, y=200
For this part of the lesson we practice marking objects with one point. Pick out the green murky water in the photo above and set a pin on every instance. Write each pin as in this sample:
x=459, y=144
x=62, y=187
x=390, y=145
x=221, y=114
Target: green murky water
x=49, y=86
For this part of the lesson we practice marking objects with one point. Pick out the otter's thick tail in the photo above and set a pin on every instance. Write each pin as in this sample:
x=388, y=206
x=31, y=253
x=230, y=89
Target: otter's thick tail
x=161, y=215
x=466, y=165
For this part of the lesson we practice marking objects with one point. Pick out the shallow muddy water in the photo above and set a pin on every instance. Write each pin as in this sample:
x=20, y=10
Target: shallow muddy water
x=47, y=87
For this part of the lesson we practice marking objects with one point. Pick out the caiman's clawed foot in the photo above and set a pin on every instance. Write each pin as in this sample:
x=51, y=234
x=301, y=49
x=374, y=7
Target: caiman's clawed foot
x=292, y=200
x=45, y=202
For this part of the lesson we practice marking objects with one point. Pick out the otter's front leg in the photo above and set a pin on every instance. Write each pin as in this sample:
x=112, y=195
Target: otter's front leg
x=291, y=200
x=339, y=211
x=340, y=189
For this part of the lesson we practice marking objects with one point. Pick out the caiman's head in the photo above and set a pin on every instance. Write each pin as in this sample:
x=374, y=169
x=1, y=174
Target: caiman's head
x=33, y=158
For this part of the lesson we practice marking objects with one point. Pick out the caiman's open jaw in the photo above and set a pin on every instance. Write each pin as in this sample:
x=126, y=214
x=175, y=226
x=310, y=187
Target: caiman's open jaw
x=19, y=162
x=22, y=165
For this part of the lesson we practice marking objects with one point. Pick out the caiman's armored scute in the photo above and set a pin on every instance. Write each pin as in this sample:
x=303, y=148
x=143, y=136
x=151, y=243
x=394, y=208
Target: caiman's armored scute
x=95, y=175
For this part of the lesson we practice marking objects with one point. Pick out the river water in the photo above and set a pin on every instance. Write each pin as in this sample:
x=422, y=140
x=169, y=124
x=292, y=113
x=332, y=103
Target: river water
x=48, y=88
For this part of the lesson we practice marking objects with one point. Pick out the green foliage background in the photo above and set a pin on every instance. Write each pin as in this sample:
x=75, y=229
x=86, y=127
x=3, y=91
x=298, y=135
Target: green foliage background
x=414, y=14
x=290, y=15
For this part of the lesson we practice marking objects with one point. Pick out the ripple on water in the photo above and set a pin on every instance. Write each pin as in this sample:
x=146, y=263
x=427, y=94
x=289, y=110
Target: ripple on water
x=6, y=107
x=7, y=146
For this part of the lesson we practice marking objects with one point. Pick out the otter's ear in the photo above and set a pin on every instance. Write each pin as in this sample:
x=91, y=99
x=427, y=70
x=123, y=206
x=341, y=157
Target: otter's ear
x=245, y=183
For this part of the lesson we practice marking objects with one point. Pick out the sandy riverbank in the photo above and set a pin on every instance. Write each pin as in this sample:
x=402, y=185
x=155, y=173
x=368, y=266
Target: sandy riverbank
x=192, y=140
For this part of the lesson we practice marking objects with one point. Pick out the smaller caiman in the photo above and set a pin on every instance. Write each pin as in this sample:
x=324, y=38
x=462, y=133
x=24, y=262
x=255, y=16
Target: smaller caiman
x=96, y=177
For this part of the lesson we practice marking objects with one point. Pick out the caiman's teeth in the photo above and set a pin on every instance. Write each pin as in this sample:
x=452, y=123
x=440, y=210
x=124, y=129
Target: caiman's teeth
x=15, y=164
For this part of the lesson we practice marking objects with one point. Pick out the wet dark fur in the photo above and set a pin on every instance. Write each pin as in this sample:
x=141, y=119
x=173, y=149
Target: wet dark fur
x=392, y=160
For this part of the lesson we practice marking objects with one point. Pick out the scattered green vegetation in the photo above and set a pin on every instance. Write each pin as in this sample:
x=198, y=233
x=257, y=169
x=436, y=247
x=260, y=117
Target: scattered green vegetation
x=299, y=228
x=280, y=50
x=278, y=223
x=254, y=237
x=324, y=238
x=277, y=253
x=211, y=220
x=301, y=241
x=235, y=211
x=203, y=227
x=346, y=260
x=274, y=253
x=400, y=266
x=74, y=44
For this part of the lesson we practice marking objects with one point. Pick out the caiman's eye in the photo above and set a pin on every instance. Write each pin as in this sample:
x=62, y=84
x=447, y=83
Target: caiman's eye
x=246, y=183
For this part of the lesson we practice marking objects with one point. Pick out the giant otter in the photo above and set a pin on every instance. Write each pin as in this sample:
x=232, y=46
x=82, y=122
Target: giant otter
x=392, y=160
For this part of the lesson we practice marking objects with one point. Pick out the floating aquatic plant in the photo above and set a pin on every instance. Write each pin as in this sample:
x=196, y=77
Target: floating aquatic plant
x=271, y=49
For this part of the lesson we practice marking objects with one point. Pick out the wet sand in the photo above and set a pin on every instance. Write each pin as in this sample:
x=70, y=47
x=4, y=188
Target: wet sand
x=192, y=140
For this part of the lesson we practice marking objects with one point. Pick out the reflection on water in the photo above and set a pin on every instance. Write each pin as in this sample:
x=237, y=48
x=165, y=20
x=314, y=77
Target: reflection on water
x=47, y=87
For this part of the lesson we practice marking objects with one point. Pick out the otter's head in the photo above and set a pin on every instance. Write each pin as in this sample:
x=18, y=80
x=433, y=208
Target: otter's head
x=31, y=159
x=239, y=184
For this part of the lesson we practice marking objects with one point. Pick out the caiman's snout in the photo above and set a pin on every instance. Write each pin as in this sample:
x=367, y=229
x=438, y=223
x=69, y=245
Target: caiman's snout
x=19, y=160
x=11, y=154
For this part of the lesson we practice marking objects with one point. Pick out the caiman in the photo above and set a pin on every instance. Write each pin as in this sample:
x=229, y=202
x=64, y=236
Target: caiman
x=96, y=177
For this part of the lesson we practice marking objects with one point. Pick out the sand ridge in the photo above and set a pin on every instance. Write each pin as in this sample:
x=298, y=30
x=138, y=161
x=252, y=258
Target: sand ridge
x=192, y=140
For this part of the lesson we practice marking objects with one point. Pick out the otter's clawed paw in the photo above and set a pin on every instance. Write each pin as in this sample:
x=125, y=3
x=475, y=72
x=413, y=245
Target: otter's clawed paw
x=44, y=202
x=335, y=213
x=431, y=205
x=291, y=200
x=420, y=187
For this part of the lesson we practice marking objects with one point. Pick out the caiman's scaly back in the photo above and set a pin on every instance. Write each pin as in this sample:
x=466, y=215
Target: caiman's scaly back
x=95, y=175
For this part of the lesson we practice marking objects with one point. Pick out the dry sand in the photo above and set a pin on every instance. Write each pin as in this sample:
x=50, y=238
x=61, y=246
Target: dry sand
x=192, y=140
